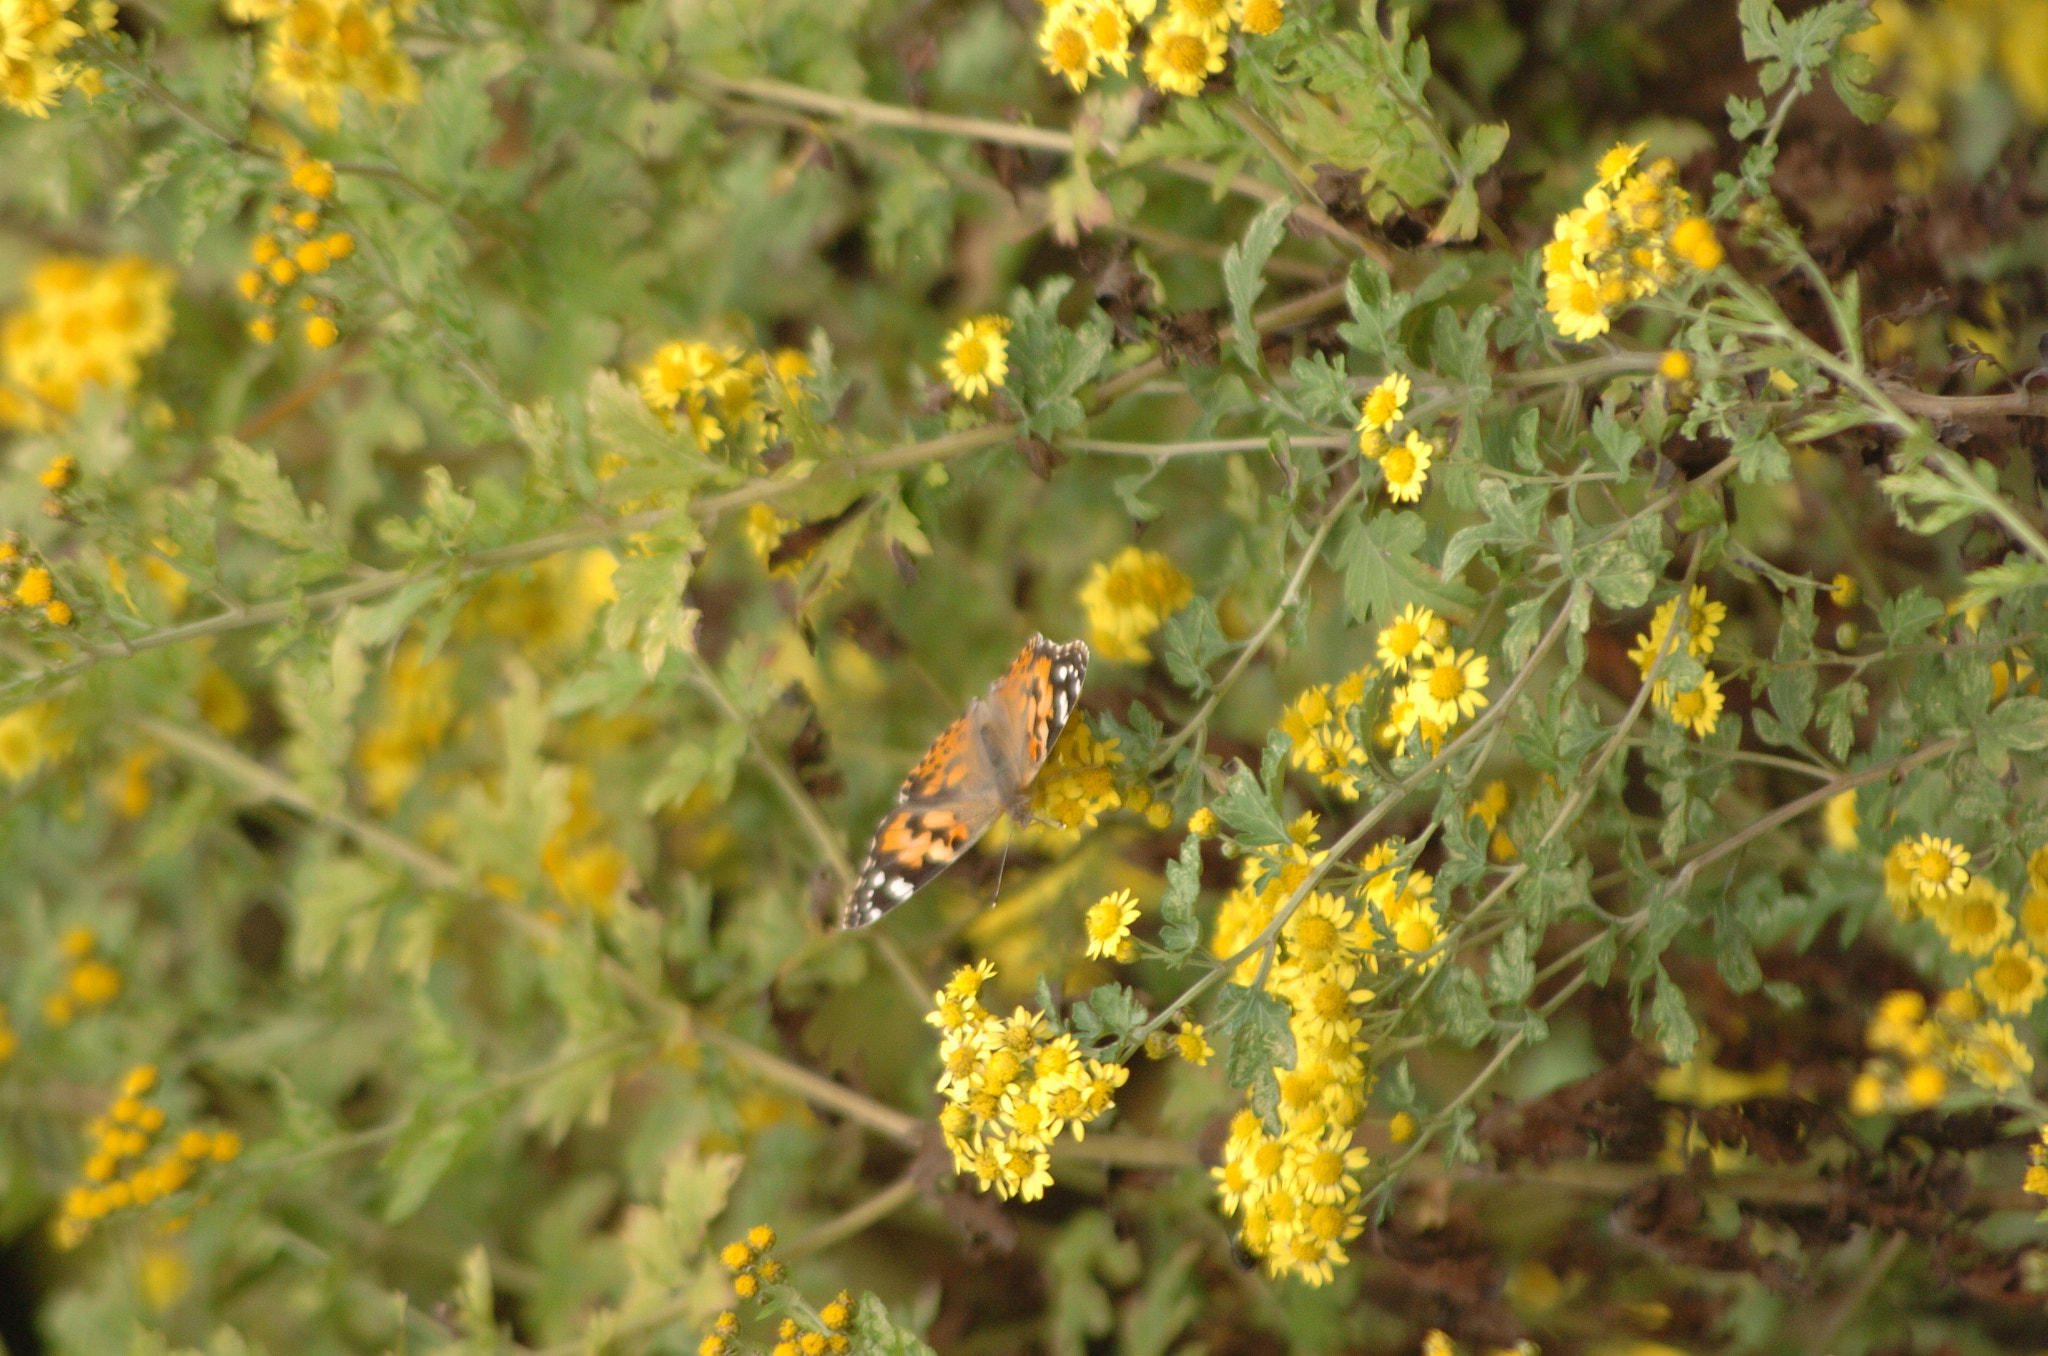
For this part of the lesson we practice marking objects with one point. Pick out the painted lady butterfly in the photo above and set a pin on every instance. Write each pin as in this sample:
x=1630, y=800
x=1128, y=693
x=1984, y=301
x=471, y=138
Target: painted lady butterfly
x=980, y=768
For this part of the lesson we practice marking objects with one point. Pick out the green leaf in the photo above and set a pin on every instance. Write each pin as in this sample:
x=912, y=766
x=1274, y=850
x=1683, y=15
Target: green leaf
x=1110, y=1011
x=1760, y=458
x=1254, y=1023
x=1192, y=640
x=874, y=1331
x=1049, y=361
x=1181, y=931
x=1617, y=442
x=2018, y=723
x=1382, y=574
x=267, y=504
x=1511, y=970
x=1248, y=810
x=1244, y=278
x=1508, y=522
x=1459, y=1003
x=1677, y=1032
x=648, y=612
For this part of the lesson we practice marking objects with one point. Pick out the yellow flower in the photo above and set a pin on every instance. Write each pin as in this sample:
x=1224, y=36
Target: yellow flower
x=1491, y=805
x=1261, y=17
x=1128, y=599
x=321, y=332
x=2013, y=980
x=1699, y=708
x=1839, y=819
x=1406, y=467
x=1573, y=300
x=1449, y=686
x=1401, y=1127
x=1616, y=163
x=1201, y=14
x=1973, y=920
x=977, y=355
x=1994, y=1057
x=1381, y=409
x=1193, y=1044
x=1416, y=627
x=2034, y=917
x=1107, y=26
x=28, y=736
x=1694, y=241
x=1938, y=866
x=1180, y=58
x=1068, y=53
x=1675, y=365
x=1109, y=926
x=94, y=983
x=1844, y=591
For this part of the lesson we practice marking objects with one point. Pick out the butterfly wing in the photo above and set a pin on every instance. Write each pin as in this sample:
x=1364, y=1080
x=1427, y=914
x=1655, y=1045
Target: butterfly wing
x=947, y=802
x=973, y=771
x=1027, y=708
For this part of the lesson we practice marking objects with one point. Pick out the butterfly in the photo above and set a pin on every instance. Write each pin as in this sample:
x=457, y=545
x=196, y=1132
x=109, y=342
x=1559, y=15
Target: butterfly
x=977, y=770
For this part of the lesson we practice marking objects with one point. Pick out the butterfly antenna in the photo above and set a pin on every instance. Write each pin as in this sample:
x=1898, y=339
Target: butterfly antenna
x=1000, y=866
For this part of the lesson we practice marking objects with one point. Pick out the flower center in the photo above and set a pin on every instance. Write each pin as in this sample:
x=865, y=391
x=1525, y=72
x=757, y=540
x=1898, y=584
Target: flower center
x=1447, y=682
x=1400, y=465
x=1186, y=54
x=1934, y=867
x=972, y=356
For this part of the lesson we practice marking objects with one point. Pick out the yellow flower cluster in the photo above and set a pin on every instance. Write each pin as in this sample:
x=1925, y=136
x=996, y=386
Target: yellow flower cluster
x=26, y=588
x=1624, y=243
x=33, y=37
x=1403, y=465
x=414, y=709
x=2036, y=1181
x=752, y=1266
x=1918, y=1050
x=1444, y=685
x=1130, y=598
x=581, y=858
x=1011, y=1087
x=548, y=605
x=82, y=324
x=1185, y=40
x=298, y=250
x=1945, y=50
x=1492, y=804
x=318, y=50
x=1325, y=744
x=1697, y=709
x=1926, y=877
x=720, y=392
x=1298, y=1193
x=117, y=1177
x=30, y=736
x=1081, y=782
x=89, y=982
x=977, y=356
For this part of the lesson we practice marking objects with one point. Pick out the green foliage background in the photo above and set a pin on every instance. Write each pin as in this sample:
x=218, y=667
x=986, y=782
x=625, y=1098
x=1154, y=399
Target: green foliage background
x=482, y=1112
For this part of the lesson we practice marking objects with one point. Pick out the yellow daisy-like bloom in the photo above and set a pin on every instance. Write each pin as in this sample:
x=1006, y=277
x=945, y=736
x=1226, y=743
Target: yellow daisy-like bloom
x=2013, y=980
x=1417, y=628
x=1974, y=920
x=1449, y=685
x=1838, y=819
x=1381, y=408
x=1130, y=598
x=1107, y=26
x=1616, y=163
x=1694, y=241
x=1699, y=709
x=1109, y=926
x=1994, y=1057
x=1900, y=1023
x=977, y=355
x=1192, y=1044
x=1181, y=58
x=1573, y=299
x=1406, y=467
x=1939, y=867
x=1212, y=15
x=1068, y=53
x=1261, y=17
x=2034, y=918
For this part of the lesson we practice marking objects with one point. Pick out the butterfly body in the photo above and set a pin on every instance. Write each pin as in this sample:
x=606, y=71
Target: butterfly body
x=977, y=770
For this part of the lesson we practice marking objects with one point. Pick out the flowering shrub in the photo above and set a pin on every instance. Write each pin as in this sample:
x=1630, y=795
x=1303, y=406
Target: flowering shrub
x=496, y=501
